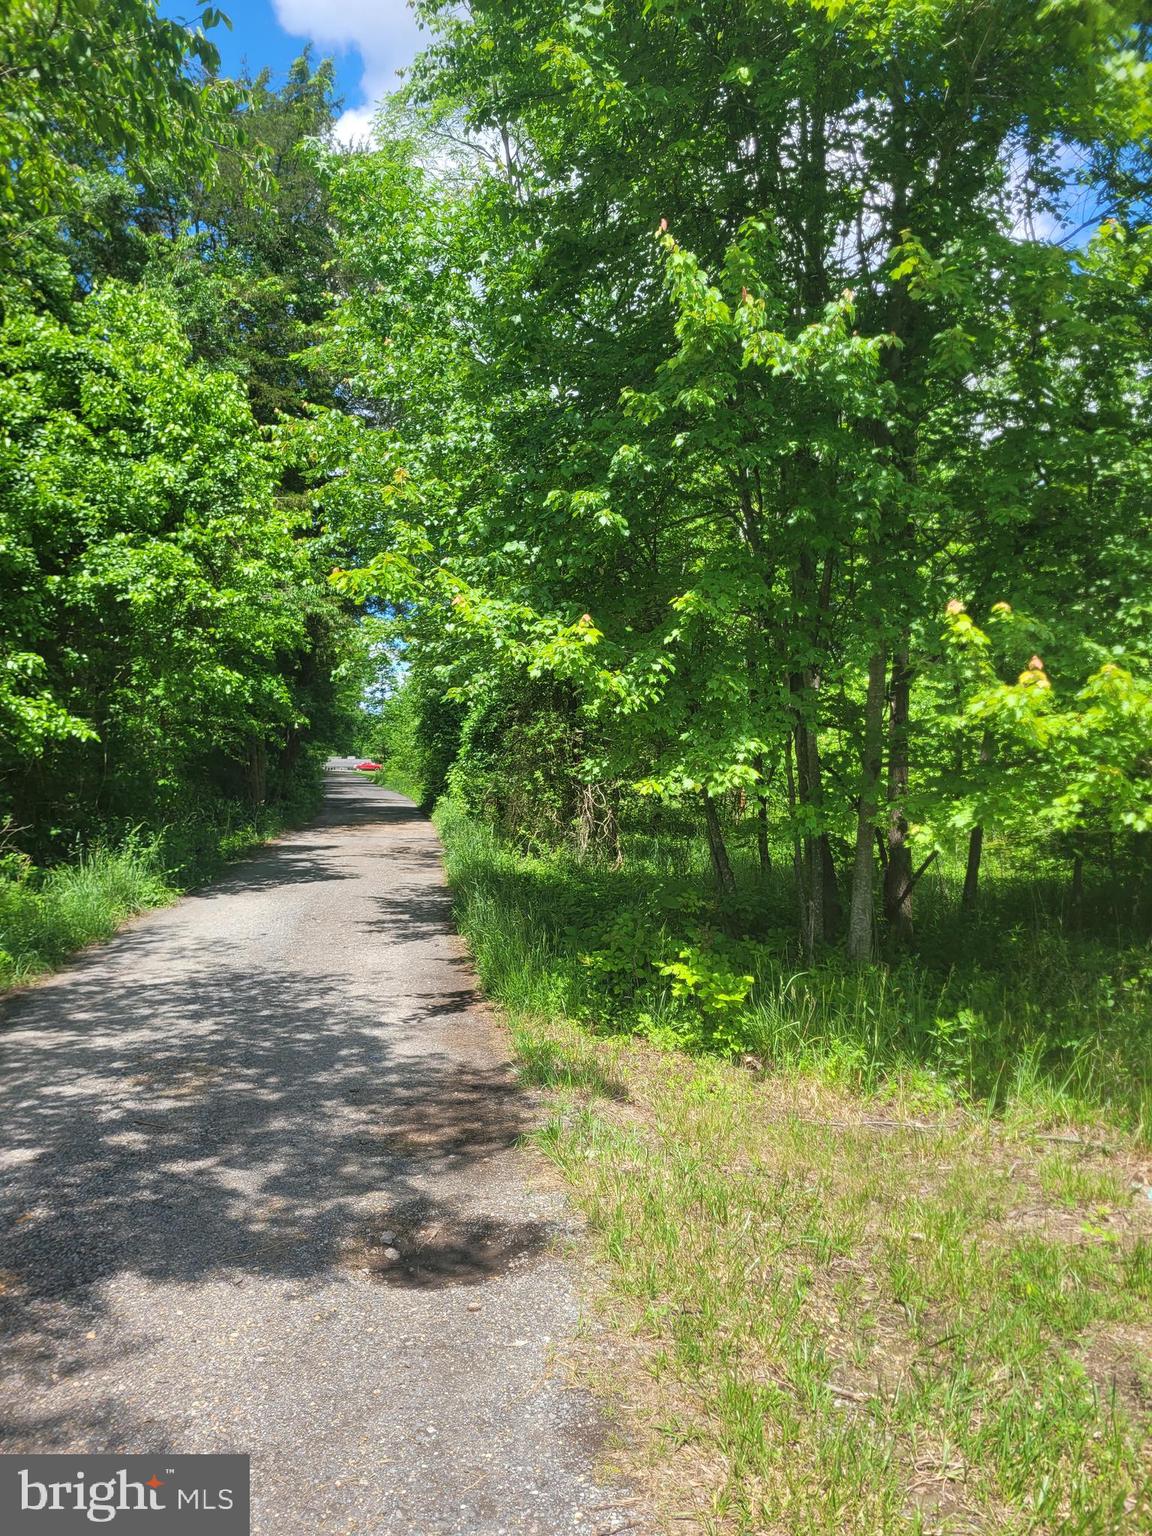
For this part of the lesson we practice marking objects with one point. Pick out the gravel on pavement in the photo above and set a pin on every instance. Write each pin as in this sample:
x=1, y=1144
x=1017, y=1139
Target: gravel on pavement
x=262, y=1193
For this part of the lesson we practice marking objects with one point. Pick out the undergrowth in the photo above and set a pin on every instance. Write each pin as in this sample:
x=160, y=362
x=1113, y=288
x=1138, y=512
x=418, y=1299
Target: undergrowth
x=855, y=1271
x=46, y=914
x=1016, y=1011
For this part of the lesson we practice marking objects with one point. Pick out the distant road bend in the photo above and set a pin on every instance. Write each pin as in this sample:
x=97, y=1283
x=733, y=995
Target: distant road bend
x=261, y=1194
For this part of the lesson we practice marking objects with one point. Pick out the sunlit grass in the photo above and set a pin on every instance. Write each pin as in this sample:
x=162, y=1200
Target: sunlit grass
x=394, y=776
x=45, y=917
x=888, y=1272
x=841, y=1323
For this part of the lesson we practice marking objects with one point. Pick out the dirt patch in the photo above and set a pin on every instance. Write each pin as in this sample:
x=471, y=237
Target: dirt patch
x=415, y=1247
x=1118, y=1359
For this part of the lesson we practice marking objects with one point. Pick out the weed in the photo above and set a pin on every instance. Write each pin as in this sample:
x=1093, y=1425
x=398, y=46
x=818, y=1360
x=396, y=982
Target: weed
x=44, y=916
x=1022, y=1016
x=846, y=1290
x=48, y=914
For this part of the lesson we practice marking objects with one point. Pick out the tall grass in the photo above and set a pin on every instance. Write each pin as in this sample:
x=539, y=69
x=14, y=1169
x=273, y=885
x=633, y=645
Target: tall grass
x=1018, y=1011
x=46, y=915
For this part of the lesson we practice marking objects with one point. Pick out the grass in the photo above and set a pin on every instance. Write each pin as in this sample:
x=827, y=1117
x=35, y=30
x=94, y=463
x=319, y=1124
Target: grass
x=1016, y=1013
x=846, y=1288
x=394, y=776
x=48, y=914
x=836, y=1322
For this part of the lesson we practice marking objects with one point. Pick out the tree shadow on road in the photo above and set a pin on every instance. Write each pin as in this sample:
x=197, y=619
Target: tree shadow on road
x=213, y=1121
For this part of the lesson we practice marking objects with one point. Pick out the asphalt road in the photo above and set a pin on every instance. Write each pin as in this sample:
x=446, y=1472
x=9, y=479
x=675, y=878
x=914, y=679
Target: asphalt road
x=261, y=1194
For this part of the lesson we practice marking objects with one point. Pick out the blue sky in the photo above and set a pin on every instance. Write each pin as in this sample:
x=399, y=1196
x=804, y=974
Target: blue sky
x=369, y=40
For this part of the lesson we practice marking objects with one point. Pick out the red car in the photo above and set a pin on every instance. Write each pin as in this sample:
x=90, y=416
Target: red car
x=367, y=767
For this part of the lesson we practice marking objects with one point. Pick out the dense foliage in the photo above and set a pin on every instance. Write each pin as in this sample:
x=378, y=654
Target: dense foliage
x=702, y=448
x=749, y=426
x=751, y=454
x=171, y=652
x=720, y=430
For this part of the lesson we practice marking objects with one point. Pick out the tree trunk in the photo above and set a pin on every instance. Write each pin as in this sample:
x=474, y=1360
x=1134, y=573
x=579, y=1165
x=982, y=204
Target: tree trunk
x=611, y=825
x=586, y=821
x=972, y=871
x=898, y=873
x=291, y=753
x=257, y=772
x=808, y=790
x=976, y=843
x=762, y=851
x=798, y=857
x=861, y=923
x=721, y=865
x=821, y=893
x=899, y=433
x=833, y=907
x=1077, y=893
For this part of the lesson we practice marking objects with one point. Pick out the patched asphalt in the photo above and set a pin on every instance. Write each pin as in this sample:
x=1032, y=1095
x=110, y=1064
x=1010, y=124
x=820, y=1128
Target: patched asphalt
x=262, y=1193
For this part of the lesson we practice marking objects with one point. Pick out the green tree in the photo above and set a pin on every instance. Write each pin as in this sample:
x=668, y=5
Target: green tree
x=85, y=85
x=161, y=613
x=724, y=358
x=250, y=274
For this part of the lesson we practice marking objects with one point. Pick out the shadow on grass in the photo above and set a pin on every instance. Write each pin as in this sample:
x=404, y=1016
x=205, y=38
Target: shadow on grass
x=1015, y=1003
x=549, y=1064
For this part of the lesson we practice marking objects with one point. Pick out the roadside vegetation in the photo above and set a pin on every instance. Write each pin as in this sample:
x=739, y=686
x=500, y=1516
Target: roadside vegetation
x=752, y=485
x=703, y=448
x=868, y=1261
x=1032, y=1013
x=48, y=913
x=173, y=658
x=849, y=1316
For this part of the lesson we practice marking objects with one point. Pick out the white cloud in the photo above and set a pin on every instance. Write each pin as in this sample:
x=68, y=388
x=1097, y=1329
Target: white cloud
x=383, y=32
x=354, y=126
